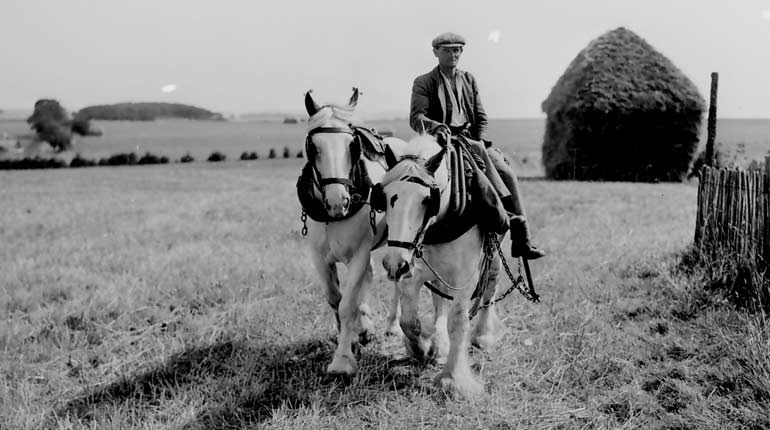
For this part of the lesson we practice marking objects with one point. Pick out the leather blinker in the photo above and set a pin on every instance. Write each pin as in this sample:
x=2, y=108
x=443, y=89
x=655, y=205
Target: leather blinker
x=377, y=198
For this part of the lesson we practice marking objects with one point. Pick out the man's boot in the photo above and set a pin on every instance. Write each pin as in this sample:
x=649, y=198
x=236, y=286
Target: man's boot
x=520, y=240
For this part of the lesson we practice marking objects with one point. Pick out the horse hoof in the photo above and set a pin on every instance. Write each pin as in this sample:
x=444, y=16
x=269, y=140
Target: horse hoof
x=394, y=329
x=365, y=337
x=486, y=342
x=420, y=350
x=342, y=367
x=487, y=339
x=465, y=387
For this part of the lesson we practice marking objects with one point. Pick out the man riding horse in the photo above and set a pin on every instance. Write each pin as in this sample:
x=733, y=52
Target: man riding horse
x=445, y=102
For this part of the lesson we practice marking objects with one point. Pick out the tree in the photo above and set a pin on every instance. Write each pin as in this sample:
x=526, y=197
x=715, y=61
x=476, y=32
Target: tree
x=52, y=124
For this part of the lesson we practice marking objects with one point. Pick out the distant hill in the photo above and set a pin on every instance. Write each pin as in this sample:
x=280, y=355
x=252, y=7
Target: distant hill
x=147, y=112
x=271, y=117
x=14, y=114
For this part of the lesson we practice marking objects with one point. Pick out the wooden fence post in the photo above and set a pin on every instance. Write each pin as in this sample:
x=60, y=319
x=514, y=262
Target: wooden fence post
x=767, y=165
x=712, y=120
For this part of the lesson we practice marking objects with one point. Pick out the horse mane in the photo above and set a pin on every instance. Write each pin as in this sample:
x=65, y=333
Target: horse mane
x=332, y=116
x=412, y=162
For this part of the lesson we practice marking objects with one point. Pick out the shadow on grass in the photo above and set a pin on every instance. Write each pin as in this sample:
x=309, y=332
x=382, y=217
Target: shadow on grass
x=238, y=384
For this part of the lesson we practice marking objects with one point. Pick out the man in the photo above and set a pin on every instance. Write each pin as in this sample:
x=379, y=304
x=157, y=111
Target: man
x=445, y=102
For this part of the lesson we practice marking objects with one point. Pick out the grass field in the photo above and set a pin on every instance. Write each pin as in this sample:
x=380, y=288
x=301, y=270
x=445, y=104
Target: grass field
x=181, y=296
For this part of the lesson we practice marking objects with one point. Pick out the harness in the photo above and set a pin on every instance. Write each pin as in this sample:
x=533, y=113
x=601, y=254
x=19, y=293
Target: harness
x=365, y=142
x=459, y=158
x=311, y=151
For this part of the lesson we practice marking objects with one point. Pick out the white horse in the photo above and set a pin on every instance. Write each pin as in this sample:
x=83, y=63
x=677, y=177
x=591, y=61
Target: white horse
x=344, y=232
x=415, y=196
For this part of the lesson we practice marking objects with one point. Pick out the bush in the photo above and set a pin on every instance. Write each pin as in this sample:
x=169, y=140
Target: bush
x=187, y=158
x=79, y=161
x=149, y=158
x=286, y=152
x=272, y=153
x=81, y=125
x=249, y=156
x=300, y=154
x=122, y=159
x=32, y=163
x=217, y=156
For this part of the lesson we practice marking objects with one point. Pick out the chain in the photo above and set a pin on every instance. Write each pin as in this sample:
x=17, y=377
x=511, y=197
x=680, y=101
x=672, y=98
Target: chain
x=373, y=221
x=304, y=222
x=517, y=284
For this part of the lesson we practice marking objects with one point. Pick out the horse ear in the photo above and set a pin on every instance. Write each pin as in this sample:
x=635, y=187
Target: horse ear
x=354, y=98
x=390, y=157
x=435, y=161
x=310, y=105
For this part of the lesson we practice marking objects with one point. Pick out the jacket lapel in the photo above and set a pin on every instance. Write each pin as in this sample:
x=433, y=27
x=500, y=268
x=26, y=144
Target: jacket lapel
x=439, y=85
x=467, y=97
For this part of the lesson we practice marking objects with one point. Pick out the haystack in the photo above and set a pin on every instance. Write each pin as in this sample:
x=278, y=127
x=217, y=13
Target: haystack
x=621, y=111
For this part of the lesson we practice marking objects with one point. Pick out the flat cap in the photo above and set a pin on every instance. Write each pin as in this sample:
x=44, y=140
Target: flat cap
x=448, y=39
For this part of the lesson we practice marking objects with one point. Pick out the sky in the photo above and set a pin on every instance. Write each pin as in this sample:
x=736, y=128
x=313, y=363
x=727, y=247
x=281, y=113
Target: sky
x=261, y=56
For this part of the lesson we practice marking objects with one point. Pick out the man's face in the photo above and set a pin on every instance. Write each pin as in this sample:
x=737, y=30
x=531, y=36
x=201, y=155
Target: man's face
x=448, y=56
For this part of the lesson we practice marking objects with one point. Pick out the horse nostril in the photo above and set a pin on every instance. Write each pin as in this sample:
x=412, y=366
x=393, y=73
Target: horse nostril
x=403, y=268
x=346, y=202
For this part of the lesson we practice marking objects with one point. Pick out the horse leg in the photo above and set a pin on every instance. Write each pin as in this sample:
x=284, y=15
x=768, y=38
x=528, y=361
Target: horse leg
x=330, y=280
x=456, y=377
x=355, y=318
x=416, y=343
x=394, y=314
x=440, y=338
x=489, y=328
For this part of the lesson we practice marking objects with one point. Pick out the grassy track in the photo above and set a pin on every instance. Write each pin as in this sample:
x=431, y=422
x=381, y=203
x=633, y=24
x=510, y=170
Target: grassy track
x=181, y=296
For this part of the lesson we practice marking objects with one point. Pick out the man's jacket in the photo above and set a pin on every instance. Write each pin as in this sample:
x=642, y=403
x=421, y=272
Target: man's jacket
x=427, y=110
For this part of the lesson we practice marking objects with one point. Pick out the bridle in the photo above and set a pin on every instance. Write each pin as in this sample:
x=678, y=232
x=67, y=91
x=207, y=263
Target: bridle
x=378, y=203
x=355, y=155
x=431, y=210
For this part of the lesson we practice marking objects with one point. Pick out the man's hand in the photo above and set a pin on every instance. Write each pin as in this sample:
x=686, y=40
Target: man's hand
x=442, y=134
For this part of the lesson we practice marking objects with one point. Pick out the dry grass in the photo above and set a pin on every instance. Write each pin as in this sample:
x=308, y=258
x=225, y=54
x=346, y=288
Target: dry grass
x=181, y=296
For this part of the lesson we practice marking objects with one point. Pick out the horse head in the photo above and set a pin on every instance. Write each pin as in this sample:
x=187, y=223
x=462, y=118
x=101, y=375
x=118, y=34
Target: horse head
x=412, y=197
x=333, y=150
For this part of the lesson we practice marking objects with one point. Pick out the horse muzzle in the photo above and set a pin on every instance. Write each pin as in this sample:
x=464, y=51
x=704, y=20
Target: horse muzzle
x=337, y=200
x=397, y=266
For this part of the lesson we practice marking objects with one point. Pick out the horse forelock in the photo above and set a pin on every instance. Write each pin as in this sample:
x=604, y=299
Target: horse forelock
x=409, y=166
x=424, y=145
x=412, y=161
x=332, y=116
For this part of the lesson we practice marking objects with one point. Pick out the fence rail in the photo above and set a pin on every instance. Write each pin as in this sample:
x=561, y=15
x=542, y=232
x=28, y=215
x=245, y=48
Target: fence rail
x=734, y=213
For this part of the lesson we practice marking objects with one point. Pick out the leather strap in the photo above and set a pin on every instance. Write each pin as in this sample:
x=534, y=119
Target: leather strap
x=327, y=181
x=401, y=244
x=317, y=130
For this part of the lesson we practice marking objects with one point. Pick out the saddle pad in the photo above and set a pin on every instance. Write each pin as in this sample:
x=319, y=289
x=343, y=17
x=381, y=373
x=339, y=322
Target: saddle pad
x=371, y=143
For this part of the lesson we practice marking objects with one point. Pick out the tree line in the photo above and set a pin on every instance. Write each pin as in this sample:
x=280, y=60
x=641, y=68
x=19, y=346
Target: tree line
x=55, y=125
